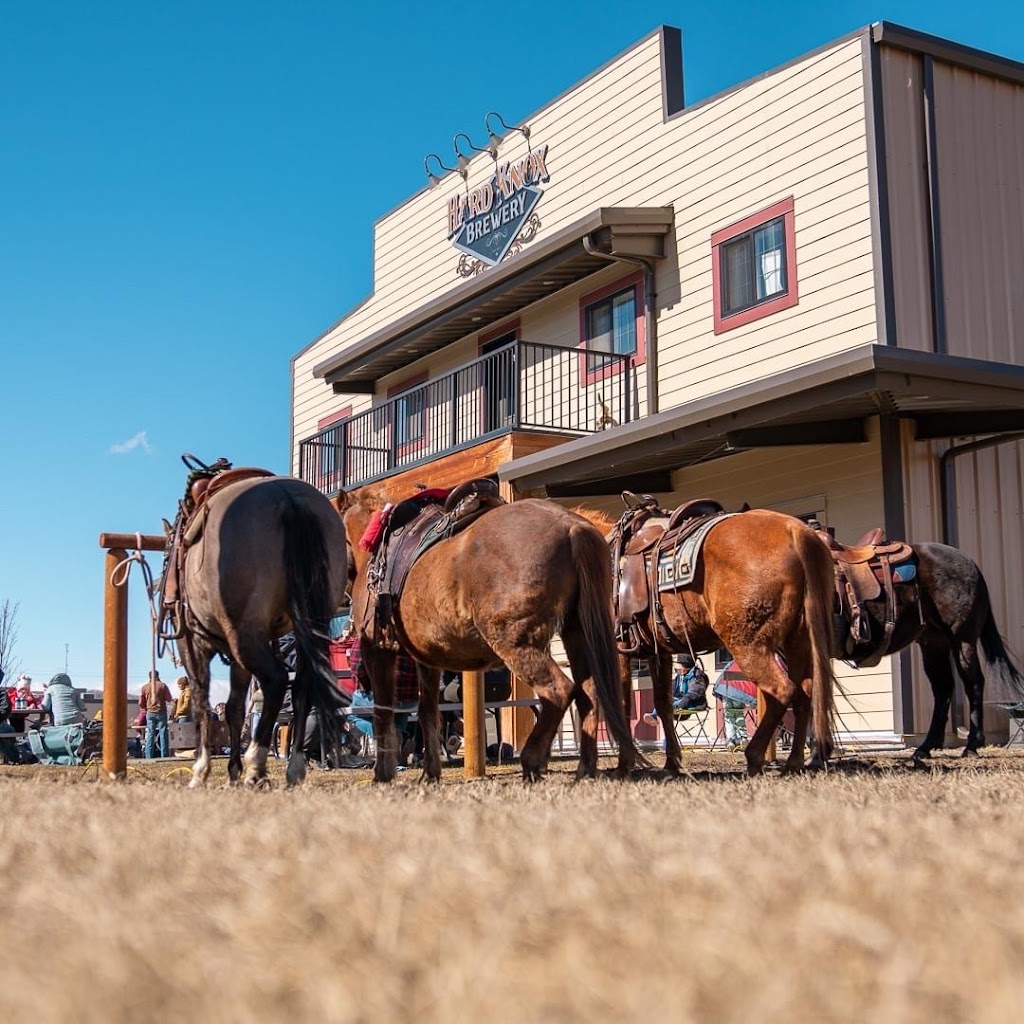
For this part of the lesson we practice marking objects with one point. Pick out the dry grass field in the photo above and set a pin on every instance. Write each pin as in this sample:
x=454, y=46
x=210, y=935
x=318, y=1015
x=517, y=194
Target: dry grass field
x=876, y=893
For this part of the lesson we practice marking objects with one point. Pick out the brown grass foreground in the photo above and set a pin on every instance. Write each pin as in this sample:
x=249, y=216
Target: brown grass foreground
x=875, y=893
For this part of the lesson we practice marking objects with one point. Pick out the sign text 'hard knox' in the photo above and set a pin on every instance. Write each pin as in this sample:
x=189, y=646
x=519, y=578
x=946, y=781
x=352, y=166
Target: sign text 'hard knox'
x=485, y=222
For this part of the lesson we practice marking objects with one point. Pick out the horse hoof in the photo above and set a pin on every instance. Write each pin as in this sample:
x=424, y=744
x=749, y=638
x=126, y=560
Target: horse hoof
x=922, y=754
x=970, y=752
x=531, y=775
x=797, y=768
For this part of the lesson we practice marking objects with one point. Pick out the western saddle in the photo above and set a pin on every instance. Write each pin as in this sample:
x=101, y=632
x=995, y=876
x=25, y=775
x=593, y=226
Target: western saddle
x=410, y=528
x=643, y=535
x=202, y=484
x=863, y=572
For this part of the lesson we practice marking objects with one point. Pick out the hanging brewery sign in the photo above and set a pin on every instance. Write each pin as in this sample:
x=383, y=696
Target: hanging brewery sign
x=485, y=221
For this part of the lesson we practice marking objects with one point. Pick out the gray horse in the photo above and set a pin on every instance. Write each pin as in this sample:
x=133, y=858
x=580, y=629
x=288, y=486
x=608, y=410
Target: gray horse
x=271, y=559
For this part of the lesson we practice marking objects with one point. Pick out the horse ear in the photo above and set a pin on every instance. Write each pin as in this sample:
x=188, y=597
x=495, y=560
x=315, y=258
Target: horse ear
x=341, y=502
x=745, y=507
x=167, y=527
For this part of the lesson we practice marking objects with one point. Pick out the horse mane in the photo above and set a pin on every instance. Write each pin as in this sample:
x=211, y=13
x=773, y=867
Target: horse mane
x=602, y=520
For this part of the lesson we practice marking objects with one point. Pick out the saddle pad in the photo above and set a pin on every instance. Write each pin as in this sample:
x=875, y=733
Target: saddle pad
x=676, y=567
x=904, y=573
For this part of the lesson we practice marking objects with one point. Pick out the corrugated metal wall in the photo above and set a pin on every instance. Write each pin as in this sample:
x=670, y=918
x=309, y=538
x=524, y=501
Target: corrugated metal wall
x=979, y=138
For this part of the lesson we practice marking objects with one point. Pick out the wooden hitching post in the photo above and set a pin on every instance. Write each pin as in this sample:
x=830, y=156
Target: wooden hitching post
x=115, y=670
x=474, y=729
x=115, y=648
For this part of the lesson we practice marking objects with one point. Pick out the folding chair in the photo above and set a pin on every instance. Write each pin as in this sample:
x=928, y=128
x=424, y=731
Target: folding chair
x=691, y=726
x=1015, y=723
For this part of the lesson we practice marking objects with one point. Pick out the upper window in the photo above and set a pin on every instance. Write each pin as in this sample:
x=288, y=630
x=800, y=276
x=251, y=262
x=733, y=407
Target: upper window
x=611, y=323
x=409, y=413
x=612, y=320
x=411, y=417
x=754, y=267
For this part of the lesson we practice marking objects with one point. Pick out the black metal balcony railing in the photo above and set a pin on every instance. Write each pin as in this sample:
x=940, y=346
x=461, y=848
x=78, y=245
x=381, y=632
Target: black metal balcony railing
x=521, y=386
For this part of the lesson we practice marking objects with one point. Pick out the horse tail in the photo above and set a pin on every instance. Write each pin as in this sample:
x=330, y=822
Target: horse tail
x=993, y=647
x=819, y=579
x=311, y=606
x=592, y=561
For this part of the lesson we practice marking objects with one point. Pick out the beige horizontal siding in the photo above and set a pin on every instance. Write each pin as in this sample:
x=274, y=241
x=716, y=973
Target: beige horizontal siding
x=799, y=131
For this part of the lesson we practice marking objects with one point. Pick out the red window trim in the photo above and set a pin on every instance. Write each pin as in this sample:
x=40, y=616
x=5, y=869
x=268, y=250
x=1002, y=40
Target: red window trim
x=640, y=356
x=334, y=417
x=784, y=209
x=417, y=443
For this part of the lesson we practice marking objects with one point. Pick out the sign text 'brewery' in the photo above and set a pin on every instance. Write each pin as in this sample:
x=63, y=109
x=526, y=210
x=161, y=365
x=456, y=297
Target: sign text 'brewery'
x=485, y=222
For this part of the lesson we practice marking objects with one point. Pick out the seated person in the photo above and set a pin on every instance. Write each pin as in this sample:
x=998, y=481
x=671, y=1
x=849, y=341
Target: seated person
x=689, y=687
x=23, y=693
x=738, y=694
x=8, y=745
x=63, y=702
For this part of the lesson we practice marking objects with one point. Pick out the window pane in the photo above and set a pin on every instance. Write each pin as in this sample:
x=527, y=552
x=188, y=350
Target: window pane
x=599, y=326
x=624, y=317
x=770, y=262
x=737, y=270
x=409, y=414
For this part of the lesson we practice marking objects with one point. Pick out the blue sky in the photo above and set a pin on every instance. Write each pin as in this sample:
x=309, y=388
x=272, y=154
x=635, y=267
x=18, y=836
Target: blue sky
x=187, y=196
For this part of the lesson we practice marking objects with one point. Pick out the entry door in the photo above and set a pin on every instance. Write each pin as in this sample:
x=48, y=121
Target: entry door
x=498, y=385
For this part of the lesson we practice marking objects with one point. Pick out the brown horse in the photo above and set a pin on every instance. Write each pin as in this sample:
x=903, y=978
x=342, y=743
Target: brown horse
x=495, y=594
x=763, y=590
x=271, y=559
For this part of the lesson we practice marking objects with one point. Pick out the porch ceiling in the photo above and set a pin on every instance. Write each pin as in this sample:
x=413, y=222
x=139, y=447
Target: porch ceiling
x=535, y=273
x=943, y=393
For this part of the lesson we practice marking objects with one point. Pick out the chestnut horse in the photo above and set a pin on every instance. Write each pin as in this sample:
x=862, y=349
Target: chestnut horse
x=271, y=559
x=494, y=594
x=763, y=589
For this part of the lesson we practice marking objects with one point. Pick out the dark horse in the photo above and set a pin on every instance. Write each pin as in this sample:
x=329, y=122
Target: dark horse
x=763, y=589
x=496, y=593
x=271, y=559
x=946, y=611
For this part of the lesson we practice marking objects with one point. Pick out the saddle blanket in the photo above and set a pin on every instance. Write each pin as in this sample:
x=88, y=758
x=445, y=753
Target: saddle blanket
x=677, y=566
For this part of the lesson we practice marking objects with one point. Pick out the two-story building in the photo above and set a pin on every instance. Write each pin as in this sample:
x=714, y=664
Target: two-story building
x=805, y=293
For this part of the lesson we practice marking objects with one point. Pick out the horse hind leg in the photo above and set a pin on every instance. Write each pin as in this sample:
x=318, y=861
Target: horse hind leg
x=536, y=666
x=262, y=661
x=762, y=666
x=240, y=680
x=969, y=667
x=939, y=670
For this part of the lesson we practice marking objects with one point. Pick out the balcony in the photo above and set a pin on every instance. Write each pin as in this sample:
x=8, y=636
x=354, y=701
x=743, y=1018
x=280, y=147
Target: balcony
x=522, y=386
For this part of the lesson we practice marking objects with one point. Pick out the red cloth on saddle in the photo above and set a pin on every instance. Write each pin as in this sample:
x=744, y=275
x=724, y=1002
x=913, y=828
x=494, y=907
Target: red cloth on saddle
x=379, y=520
x=438, y=494
x=375, y=528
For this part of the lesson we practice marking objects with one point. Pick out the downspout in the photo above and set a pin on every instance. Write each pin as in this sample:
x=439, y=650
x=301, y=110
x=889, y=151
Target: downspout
x=650, y=322
x=947, y=479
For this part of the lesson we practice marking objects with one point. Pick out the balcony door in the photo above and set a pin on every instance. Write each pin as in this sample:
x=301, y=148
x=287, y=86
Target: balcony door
x=497, y=383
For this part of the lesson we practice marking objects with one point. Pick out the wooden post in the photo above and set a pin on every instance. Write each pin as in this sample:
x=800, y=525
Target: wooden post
x=115, y=670
x=115, y=648
x=474, y=729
